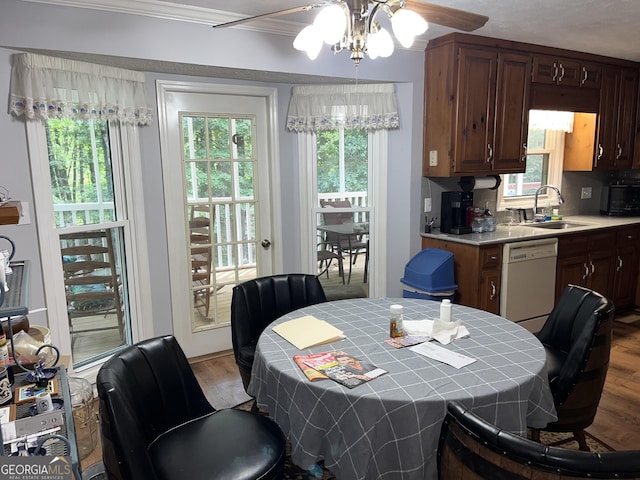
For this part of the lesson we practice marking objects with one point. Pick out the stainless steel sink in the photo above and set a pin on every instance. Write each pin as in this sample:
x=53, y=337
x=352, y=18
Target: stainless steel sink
x=556, y=225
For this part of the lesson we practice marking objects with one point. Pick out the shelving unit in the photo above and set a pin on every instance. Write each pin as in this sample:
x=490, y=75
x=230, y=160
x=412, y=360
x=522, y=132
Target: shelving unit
x=14, y=306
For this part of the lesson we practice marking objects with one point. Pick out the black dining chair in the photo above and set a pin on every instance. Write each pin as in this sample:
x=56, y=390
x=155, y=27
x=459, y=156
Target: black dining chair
x=156, y=423
x=577, y=341
x=258, y=302
x=471, y=448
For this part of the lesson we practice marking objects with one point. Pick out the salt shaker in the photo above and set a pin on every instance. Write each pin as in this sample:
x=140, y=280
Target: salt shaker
x=395, y=321
x=445, y=310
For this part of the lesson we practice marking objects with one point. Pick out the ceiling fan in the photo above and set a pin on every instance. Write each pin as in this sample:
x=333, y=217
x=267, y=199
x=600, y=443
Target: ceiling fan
x=362, y=33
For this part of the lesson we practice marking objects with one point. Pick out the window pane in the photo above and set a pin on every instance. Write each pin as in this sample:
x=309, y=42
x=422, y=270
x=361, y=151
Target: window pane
x=356, y=160
x=527, y=183
x=328, y=165
x=80, y=167
x=221, y=179
x=195, y=140
x=245, y=180
x=219, y=138
x=536, y=139
x=242, y=139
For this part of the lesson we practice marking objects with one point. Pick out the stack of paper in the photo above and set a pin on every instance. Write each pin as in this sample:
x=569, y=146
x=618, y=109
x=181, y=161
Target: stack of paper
x=308, y=331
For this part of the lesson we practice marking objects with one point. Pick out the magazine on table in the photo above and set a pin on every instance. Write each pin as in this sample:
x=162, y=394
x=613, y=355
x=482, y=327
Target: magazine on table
x=407, y=340
x=311, y=373
x=344, y=368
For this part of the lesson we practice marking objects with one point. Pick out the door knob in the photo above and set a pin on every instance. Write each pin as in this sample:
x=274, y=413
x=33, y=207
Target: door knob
x=266, y=243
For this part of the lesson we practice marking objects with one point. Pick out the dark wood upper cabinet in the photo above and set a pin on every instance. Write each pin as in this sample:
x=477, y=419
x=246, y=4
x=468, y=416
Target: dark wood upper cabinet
x=478, y=92
x=476, y=110
x=616, y=129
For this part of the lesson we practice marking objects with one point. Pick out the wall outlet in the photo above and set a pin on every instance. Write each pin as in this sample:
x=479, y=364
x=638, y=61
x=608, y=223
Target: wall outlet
x=427, y=205
x=585, y=192
x=433, y=158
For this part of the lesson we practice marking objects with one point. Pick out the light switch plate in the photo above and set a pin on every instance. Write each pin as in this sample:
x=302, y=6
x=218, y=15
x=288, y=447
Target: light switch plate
x=585, y=193
x=433, y=158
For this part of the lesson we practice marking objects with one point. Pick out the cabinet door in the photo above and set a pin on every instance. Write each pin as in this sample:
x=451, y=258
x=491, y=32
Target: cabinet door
x=626, y=277
x=512, y=113
x=476, y=107
x=490, y=291
x=607, y=119
x=601, y=269
x=590, y=76
x=626, y=120
x=556, y=71
x=570, y=270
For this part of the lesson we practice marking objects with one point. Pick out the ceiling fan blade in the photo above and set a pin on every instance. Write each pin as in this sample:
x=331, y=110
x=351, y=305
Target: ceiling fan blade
x=447, y=17
x=272, y=14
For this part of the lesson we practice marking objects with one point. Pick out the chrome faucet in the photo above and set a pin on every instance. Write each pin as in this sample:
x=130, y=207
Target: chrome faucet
x=535, y=198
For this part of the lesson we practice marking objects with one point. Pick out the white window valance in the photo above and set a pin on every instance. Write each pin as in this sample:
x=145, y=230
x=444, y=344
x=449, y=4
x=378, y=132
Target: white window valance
x=551, y=120
x=49, y=87
x=326, y=107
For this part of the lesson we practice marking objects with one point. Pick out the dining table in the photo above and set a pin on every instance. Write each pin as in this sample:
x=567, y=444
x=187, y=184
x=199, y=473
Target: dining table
x=388, y=427
x=348, y=235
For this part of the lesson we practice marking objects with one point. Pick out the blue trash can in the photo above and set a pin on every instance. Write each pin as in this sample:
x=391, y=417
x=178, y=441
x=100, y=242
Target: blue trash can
x=430, y=276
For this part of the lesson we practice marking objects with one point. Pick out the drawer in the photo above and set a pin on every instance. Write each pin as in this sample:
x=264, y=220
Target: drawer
x=574, y=244
x=491, y=256
x=627, y=236
x=602, y=239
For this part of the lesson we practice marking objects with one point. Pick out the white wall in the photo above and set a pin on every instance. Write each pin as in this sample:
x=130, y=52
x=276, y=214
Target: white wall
x=39, y=26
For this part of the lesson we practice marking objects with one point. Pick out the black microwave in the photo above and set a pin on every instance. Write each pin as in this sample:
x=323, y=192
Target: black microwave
x=620, y=200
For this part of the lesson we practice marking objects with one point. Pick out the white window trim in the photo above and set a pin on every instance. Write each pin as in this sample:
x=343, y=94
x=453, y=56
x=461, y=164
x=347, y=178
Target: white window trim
x=378, y=141
x=128, y=155
x=554, y=145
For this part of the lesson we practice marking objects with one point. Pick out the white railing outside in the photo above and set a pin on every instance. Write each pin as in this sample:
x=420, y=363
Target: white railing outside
x=85, y=214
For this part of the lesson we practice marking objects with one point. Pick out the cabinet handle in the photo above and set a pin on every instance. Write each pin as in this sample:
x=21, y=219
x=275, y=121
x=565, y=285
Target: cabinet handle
x=555, y=71
x=586, y=271
x=619, y=264
x=493, y=291
x=593, y=268
x=561, y=73
x=600, y=153
x=490, y=148
x=493, y=257
x=585, y=75
x=619, y=152
x=524, y=149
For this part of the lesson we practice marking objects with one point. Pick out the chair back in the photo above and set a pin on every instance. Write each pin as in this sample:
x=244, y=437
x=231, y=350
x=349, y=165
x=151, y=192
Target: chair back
x=336, y=218
x=258, y=302
x=472, y=448
x=577, y=339
x=144, y=390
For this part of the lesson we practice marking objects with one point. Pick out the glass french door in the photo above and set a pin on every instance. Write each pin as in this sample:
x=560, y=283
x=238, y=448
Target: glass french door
x=217, y=202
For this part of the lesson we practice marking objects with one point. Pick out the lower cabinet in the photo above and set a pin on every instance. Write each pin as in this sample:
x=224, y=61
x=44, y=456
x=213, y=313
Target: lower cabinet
x=605, y=261
x=477, y=271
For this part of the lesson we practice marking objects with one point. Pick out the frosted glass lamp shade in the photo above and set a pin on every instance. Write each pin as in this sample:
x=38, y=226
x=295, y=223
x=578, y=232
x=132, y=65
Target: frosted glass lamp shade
x=309, y=40
x=406, y=25
x=331, y=22
x=379, y=44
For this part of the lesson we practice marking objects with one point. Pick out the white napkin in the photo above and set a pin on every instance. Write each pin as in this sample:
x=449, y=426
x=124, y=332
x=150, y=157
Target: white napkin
x=443, y=332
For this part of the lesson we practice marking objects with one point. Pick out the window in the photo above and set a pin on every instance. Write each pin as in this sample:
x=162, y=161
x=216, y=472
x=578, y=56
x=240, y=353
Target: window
x=545, y=152
x=87, y=205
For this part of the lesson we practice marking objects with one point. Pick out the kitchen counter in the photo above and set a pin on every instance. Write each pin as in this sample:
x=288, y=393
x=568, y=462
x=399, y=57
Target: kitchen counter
x=525, y=231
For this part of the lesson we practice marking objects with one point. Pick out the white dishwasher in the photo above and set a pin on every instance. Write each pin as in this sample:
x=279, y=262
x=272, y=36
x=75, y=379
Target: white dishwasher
x=528, y=282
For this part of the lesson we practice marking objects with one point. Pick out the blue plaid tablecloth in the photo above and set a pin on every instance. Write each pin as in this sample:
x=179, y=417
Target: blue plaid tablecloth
x=388, y=428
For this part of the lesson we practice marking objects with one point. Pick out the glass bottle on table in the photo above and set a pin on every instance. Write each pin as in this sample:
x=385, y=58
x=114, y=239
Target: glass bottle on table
x=395, y=321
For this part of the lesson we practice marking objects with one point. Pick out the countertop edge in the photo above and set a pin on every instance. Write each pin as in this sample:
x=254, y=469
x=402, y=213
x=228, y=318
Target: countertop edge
x=506, y=233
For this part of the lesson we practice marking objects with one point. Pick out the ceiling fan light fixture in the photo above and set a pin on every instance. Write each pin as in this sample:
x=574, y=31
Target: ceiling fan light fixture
x=379, y=44
x=309, y=40
x=331, y=21
x=407, y=25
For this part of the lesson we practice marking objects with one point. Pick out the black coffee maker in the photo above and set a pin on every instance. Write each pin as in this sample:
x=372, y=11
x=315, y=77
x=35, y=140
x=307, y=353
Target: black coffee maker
x=454, y=217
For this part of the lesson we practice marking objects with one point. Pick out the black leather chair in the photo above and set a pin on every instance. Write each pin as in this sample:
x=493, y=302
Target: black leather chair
x=156, y=423
x=472, y=448
x=258, y=302
x=577, y=340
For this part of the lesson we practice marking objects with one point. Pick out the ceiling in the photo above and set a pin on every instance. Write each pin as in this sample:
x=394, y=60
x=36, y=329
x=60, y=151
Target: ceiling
x=604, y=27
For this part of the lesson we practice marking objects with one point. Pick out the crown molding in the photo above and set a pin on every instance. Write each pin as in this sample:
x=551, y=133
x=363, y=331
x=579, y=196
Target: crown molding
x=190, y=13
